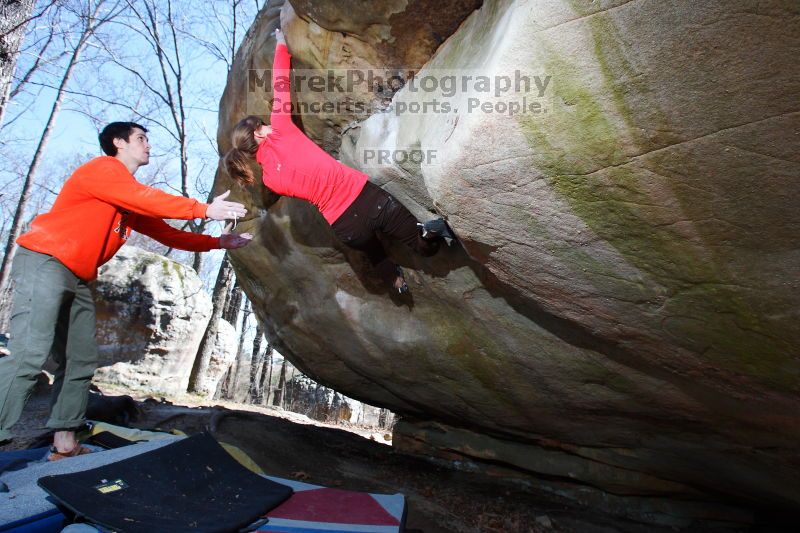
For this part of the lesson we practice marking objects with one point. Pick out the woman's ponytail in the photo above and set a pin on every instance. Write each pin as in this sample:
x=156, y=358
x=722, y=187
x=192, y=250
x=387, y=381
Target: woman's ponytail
x=237, y=163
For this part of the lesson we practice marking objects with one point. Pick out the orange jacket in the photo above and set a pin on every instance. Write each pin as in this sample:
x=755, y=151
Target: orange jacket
x=97, y=208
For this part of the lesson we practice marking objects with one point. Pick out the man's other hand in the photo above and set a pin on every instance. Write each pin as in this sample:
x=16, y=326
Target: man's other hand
x=221, y=209
x=231, y=241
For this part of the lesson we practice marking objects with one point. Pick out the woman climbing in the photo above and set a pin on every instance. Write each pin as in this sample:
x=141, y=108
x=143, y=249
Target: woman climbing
x=292, y=165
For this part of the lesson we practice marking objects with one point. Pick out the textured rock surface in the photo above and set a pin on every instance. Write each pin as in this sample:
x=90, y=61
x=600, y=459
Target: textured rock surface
x=151, y=315
x=626, y=294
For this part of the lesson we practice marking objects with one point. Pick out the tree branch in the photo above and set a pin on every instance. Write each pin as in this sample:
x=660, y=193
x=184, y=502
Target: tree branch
x=29, y=19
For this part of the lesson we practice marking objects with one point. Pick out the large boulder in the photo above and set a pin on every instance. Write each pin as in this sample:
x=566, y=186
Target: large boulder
x=151, y=315
x=623, y=300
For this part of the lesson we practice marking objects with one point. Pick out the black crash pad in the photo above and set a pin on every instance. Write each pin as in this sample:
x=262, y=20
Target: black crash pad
x=109, y=441
x=191, y=485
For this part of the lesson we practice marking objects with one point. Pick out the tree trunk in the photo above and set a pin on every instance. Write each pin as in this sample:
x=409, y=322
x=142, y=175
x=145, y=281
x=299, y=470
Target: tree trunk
x=27, y=185
x=280, y=390
x=13, y=20
x=256, y=365
x=203, y=357
x=288, y=379
x=236, y=366
x=233, y=303
x=268, y=374
x=199, y=226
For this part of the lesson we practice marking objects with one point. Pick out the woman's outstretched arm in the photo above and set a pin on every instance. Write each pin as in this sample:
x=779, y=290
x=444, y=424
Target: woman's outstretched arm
x=281, y=86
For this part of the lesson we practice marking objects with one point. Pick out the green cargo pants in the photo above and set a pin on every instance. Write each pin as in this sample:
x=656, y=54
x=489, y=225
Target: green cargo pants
x=53, y=314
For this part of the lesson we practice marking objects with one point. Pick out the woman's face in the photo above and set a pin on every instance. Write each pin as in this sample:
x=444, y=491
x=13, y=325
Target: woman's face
x=261, y=132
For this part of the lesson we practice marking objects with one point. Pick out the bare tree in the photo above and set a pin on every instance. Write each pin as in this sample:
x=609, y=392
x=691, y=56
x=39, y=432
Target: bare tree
x=280, y=391
x=91, y=18
x=36, y=49
x=233, y=304
x=240, y=353
x=256, y=364
x=160, y=26
x=200, y=367
x=266, y=385
x=232, y=378
x=222, y=21
x=14, y=16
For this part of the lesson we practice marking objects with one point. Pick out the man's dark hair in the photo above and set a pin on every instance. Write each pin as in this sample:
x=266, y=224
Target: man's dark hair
x=117, y=130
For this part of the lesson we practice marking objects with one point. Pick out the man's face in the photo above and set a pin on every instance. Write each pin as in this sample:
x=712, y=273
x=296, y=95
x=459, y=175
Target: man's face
x=136, y=148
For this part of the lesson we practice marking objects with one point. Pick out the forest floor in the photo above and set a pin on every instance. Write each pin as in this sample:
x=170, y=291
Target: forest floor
x=441, y=498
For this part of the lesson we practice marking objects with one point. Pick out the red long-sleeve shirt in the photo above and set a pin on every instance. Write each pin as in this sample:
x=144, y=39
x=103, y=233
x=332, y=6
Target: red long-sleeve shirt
x=293, y=165
x=96, y=210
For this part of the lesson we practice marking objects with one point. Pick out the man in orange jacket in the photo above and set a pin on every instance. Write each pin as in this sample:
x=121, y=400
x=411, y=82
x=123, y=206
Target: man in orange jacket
x=53, y=311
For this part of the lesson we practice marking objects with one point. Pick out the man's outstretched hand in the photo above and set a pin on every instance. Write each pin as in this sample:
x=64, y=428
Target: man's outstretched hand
x=221, y=209
x=231, y=241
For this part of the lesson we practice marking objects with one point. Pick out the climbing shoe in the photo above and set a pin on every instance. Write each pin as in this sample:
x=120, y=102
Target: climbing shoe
x=402, y=288
x=433, y=229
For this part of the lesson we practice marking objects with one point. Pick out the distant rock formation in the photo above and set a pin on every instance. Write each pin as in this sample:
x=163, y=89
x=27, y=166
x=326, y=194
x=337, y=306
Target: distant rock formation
x=304, y=395
x=151, y=315
x=622, y=308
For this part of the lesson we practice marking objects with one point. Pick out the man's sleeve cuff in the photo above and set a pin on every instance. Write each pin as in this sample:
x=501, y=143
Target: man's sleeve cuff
x=199, y=210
